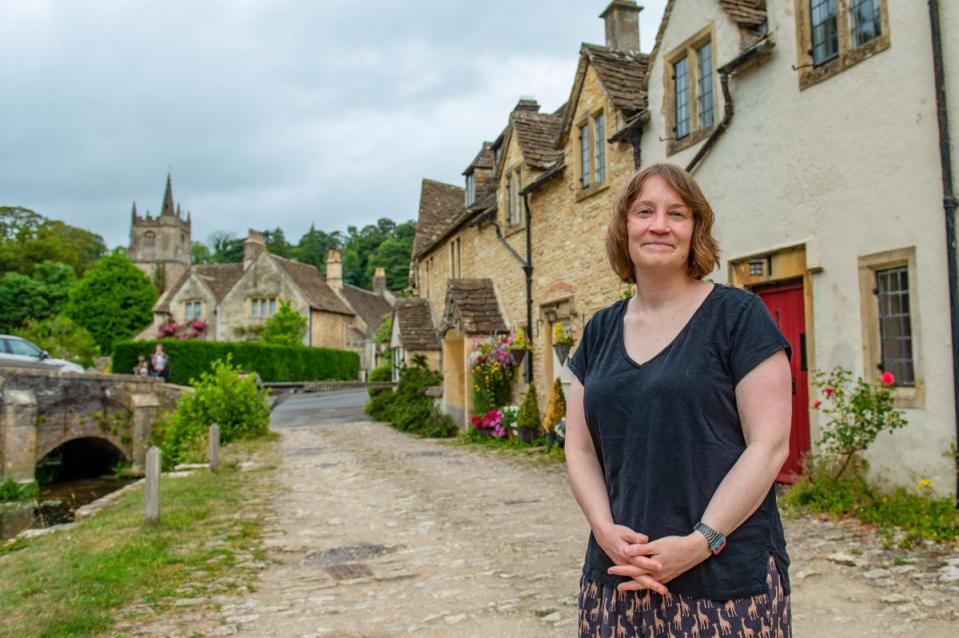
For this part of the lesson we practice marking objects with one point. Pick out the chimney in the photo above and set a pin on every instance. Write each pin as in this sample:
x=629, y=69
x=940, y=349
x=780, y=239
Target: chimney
x=622, y=25
x=253, y=246
x=334, y=269
x=527, y=103
x=379, y=281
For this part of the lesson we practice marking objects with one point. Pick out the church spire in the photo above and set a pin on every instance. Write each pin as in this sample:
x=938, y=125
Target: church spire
x=133, y=213
x=167, y=198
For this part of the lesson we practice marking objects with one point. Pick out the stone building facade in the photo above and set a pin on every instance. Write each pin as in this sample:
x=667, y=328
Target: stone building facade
x=818, y=149
x=160, y=246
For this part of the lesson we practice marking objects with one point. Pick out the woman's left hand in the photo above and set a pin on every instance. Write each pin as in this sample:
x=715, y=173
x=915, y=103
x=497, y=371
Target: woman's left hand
x=677, y=554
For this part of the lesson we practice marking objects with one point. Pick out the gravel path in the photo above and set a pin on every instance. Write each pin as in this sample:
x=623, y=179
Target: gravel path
x=377, y=533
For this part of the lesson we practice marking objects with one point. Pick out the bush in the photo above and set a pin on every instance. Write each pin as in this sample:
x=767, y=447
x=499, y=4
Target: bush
x=62, y=339
x=224, y=397
x=113, y=301
x=286, y=327
x=11, y=490
x=528, y=417
x=191, y=358
x=556, y=408
x=411, y=410
x=378, y=406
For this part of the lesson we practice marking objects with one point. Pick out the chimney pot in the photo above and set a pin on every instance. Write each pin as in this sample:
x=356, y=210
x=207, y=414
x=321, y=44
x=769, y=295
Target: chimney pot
x=622, y=25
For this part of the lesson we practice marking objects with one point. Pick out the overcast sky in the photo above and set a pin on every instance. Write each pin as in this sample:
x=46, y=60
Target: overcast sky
x=269, y=113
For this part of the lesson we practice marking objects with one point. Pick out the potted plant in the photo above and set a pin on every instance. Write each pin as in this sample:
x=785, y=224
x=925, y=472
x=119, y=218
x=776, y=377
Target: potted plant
x=528, y=420
x=490, y=424
x=510, y=413
x=491, y=366
x=519, y=346
x=562, y=342
x=555, y=411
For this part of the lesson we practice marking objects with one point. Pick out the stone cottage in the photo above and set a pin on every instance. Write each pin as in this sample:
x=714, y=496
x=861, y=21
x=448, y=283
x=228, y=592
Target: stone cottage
x=231, y=302
x=813, y=129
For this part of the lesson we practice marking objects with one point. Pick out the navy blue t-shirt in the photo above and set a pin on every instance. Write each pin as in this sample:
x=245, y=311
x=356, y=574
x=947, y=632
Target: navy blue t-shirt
x=667, y=432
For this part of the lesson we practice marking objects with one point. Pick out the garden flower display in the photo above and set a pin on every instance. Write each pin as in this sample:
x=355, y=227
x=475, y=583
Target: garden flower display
x=492, y=420
x=492, y=365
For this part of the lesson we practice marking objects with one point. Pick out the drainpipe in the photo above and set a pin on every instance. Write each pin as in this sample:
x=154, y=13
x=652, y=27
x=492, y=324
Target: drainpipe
x=949, y=204
x=527, y=265
x=725, y=71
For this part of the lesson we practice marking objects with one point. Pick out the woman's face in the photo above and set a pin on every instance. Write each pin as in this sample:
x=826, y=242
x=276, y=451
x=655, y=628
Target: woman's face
x=659, y=228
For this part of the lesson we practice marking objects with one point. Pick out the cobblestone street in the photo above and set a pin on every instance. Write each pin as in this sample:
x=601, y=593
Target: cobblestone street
x=376, y=533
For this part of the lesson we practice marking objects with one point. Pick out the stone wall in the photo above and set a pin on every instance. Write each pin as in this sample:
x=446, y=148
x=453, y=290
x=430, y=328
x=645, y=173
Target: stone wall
x=263, y=279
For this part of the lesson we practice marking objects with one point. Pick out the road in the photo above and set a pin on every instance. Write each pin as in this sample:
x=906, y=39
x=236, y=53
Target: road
x=377, y=533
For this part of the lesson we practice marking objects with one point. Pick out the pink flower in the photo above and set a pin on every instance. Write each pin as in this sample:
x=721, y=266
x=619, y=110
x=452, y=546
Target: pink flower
x=828, y=390
x=816, y=404
x=476, y=421
x=887, y=378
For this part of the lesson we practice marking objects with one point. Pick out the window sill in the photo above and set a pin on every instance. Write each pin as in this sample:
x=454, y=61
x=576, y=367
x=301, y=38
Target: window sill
x=811, y=76
x=914, y=397
x=675, y=146
x=592, y=189
x=509, y=231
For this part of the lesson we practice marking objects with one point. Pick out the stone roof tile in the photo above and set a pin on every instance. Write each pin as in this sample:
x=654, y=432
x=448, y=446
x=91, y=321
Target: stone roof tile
x=415, y=323
x=471, y=305
x=309, y=280
x=371, y=307
x=440, y=204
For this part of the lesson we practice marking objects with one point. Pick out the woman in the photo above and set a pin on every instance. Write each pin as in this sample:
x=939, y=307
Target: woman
x=160, y=363
x=677, y=424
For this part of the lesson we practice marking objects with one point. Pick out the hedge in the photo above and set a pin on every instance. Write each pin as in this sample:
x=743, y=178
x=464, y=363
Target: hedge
x=189, y=358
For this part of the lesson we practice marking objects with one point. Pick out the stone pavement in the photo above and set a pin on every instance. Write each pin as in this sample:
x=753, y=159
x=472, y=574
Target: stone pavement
x=377, y=533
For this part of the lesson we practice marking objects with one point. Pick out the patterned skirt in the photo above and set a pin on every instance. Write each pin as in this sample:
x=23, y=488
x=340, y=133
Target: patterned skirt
x=605, y=612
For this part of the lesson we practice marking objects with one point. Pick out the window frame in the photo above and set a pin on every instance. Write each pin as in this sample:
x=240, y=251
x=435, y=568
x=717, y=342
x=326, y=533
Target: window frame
x=690, y=51
x=192, y=310
x=455, y=255
x=848, y=56
x=593, y=157
x=905, y=396
x=470, y=188
x=262, y=308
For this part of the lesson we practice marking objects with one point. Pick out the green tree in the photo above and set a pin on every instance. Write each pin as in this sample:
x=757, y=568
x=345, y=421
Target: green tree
x=286, y=327
x=276, y=242
x=113, y=301
x=62, y=339
x=394, y=256
x=227, y=247
x=200, y=253
x=28, y=238
x=314, y=247
x=37, y=297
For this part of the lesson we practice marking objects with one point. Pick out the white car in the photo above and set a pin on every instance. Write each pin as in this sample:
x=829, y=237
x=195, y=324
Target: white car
x=16, y=352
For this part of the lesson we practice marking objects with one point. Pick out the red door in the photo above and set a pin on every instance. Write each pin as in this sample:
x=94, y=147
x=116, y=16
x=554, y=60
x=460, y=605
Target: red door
x=785, y=304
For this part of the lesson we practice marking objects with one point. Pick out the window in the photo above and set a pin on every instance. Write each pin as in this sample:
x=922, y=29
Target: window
x=689, y=91
x=263, y=308
x=584, y=155
x=681, y=84
x=825, y=32
x=470, y=189
x=23, y=348
x=837, y=34
x=427, y=269
x=517, y=215
x=895, y=326
x=866, y=21
x=192, y=310
x=600, y=123
x=704, y=93
x=455, y=261
x=887, y=290
x=149, y=239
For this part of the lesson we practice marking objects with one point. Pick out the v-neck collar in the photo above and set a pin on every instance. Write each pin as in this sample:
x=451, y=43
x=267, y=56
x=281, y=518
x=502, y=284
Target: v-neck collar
x=621, y=323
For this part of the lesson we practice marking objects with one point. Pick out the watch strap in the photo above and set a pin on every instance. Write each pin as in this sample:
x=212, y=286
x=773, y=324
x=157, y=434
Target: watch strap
x=716, y=540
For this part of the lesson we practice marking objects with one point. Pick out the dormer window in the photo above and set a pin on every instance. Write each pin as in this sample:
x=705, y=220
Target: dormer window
x=470, y=188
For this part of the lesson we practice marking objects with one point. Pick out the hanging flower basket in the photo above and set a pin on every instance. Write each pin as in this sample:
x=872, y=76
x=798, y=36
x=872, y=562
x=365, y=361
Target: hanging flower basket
x=562, y=351
x=518, y=356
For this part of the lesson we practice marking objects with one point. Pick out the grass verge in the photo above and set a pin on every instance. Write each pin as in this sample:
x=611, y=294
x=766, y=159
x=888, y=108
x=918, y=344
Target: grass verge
x=71, y=584
x=904, y=515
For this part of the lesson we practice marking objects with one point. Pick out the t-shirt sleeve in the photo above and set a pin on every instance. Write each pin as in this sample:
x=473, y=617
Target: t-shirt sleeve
x=755, y=338
x=579, y=362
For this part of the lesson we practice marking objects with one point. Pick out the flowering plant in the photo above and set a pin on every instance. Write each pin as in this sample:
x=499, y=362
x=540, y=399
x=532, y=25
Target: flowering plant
x=858, y=411
x=492, y=420
x=519, y=341
x=492, y=365
x=561, y=337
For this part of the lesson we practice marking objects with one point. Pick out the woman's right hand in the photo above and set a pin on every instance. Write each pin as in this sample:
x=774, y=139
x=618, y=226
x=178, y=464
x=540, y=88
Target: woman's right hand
x=614, y=539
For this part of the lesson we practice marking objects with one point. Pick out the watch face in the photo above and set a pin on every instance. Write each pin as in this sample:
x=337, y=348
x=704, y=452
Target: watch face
x=720, y=547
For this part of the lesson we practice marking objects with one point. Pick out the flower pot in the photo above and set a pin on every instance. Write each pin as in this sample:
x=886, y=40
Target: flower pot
x=562, y=351
x=518, y=356
x=484, y=432
x=527, y=435
x=551, y=440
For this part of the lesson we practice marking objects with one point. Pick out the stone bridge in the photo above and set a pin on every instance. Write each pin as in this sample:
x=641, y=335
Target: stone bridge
x=42, y=410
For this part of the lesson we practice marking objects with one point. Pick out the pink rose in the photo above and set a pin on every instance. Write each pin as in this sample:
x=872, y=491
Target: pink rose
x=828, y=390
x=887, y=378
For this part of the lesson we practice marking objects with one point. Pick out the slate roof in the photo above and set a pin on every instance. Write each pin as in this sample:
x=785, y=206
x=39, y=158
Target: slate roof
x=371, y=307
x=536, y=135
x=309, y=280
x=484, y=159
x=472, y=306
x=439, y=205
x=415, y=324
x=622, y=74
x=745, y=13
x=219, y=277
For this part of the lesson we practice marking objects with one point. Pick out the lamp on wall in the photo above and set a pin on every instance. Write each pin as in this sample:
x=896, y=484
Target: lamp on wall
x=550, y=314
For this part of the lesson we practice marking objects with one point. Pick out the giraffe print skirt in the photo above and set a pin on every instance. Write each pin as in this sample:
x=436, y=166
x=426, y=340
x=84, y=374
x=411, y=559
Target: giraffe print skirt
x=605, y=612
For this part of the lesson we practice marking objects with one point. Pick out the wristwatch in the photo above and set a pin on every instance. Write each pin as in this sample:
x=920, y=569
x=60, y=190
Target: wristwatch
x=716, y=540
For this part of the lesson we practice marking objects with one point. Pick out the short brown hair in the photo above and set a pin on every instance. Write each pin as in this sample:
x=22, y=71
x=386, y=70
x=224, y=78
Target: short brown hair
x=703, y=248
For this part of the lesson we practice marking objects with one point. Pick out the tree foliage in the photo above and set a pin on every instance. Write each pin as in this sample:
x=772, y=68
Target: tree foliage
x=113, y=301
x=286, y=327
x=28, y=238
x=62, y=338
x=43, y=295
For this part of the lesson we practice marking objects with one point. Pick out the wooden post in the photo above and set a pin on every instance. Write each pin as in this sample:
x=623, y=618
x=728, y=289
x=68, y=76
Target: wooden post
x=152, y=486
x=214, y=447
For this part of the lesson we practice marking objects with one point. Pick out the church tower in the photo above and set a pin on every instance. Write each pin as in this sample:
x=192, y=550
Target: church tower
x=160, y=246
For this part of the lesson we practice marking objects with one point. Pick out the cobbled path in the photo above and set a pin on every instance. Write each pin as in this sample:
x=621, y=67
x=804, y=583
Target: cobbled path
x=377, y=533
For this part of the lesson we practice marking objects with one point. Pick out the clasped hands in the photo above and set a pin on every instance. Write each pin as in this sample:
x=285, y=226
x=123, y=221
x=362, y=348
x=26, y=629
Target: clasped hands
x=650, y=564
